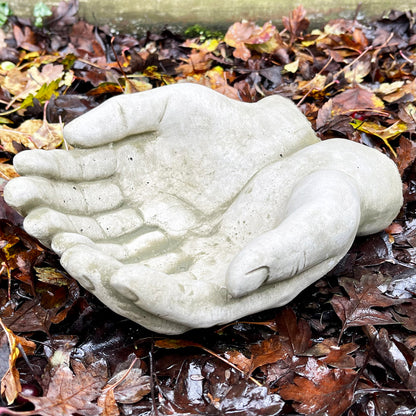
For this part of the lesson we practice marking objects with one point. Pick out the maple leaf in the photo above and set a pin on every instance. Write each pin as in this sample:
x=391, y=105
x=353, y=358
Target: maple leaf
x=240, y=34
x=364, y=296
x=72, y=392
x=321, y=391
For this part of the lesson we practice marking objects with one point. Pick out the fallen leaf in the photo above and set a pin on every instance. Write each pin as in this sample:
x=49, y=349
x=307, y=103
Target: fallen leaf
x=132, y=388
x=263, y=39
x=384, y=133
x=357, y=72
x=329, y=352
x=269, y=351
x=10, y=382
x=46, y=81
x=406, y=154
x=8, y=171
x=321, y=391
x=296, y=23
x=51, y=276
x=407, y=93
x=355, y=100
x=108, y=404
x=296, y=332
x=73, y=391
x=389, y=353
x=32, y=134
x=25, y=38
x=239, y=360
x=364, y=296
x=292, y=66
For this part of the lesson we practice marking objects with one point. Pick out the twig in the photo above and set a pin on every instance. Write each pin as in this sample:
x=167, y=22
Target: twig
x=152, y=380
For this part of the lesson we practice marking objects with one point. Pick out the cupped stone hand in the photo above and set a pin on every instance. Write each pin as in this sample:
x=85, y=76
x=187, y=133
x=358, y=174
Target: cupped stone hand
x=180, y=208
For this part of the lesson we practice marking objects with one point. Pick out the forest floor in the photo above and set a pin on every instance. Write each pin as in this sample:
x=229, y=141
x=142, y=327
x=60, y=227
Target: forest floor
x=345, y=346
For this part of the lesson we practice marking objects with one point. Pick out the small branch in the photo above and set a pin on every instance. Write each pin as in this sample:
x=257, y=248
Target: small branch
x=152, y=381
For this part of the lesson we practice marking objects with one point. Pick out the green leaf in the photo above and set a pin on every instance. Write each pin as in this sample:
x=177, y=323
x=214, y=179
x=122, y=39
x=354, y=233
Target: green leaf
x=5, y=12
x=44, y=94
x=40, y=11
x=4, y=120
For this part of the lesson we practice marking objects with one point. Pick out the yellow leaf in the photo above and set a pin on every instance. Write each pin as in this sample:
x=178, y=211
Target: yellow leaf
x=292, y=67
x=210, y=45
x=48, y=136
x=388, y=88
x=317, y=83
x=22, y=84
x=357, y=73
x=51, y=276
x=384, y=133
x=7, y=171
x=33, y=134
x=10, y=383
x=135, y=85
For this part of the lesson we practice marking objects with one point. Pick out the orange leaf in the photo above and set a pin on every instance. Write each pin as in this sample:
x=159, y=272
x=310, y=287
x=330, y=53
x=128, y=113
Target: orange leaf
x=10, y=383
x=322, y=390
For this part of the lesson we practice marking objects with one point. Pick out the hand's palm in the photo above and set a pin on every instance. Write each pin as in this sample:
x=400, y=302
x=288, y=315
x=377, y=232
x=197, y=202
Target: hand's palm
x=157, y=201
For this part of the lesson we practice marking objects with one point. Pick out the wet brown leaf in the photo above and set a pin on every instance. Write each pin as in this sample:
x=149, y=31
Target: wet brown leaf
x=364, y=296
x=334, y=355
x=321, y=390
x=72, y=391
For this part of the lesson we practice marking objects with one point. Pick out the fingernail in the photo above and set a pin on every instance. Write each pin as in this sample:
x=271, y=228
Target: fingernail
x=86, y=283
x=258, y=276
x=125, y=291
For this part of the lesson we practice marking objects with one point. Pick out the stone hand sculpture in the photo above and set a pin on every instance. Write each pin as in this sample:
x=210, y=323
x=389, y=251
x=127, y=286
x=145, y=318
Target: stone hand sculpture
x=180, y=208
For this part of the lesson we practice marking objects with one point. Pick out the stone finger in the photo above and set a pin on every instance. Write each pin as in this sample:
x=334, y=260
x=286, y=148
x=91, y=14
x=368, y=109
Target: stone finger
x=73, y=165
x=28, y=193
x=94, y=269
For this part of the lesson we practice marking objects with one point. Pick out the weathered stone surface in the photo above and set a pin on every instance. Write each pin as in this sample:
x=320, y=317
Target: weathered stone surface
x=181, y=208
x=140, y=15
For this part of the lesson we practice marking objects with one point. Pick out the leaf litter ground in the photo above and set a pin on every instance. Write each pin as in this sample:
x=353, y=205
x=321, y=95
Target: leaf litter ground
x=345, y=346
